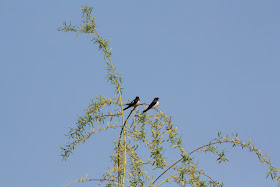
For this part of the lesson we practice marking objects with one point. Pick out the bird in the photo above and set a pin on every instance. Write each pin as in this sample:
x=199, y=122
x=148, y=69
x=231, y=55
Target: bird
x=133, y=103
x=152, y=105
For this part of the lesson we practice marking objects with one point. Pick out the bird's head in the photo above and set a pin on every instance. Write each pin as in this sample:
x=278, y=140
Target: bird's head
x=137, y=98
x=156, y=98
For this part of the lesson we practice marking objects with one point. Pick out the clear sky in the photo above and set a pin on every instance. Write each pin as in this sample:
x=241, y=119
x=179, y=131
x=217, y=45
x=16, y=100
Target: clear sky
x=214, y=65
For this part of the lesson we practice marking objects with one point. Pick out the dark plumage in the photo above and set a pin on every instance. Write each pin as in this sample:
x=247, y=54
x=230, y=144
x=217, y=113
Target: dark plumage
x=133, y=103
x=152, y=105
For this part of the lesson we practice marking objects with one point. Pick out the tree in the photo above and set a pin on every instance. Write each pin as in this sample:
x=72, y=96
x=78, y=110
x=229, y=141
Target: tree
x=156, y=133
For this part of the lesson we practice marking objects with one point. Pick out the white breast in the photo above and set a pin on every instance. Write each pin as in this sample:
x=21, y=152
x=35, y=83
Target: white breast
x=156, y=104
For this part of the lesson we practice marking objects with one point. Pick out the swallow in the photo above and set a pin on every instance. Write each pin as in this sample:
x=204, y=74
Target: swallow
x=133, y=103
x=152, y=105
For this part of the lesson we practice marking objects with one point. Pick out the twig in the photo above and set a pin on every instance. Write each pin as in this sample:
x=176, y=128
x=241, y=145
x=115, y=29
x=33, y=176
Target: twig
x=84, y=180
x=188, y=154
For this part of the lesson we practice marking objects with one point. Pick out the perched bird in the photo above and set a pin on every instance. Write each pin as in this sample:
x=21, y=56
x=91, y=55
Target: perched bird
x=133, y=103
x=152, y=105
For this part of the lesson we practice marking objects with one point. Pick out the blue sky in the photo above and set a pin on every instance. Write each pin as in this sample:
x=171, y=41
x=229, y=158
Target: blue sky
x=213, y=64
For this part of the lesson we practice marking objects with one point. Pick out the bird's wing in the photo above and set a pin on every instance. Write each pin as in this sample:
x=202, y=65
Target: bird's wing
x=131, y=103
x=153, y=103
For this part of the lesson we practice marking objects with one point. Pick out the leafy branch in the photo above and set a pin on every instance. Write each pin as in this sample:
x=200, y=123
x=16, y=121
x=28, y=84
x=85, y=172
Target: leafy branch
x=88, y=26
x=235, y=141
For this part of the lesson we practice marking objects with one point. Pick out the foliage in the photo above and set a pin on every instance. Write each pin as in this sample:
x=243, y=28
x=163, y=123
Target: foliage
x=153, y=134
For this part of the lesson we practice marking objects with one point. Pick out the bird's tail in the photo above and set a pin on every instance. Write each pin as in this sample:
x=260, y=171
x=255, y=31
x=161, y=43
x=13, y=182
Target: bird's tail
x=126, y=108
x=145, y=111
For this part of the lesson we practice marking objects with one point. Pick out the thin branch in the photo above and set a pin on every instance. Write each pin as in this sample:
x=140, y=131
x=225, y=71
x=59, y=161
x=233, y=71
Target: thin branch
x=125, y=124
x=119, y=91
x=121, y=135
x=109, y=115
x=202, y=173
x=210, y=178
x=188, y=154
x=167, y=179
x=108, y=175
x=84, y=180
